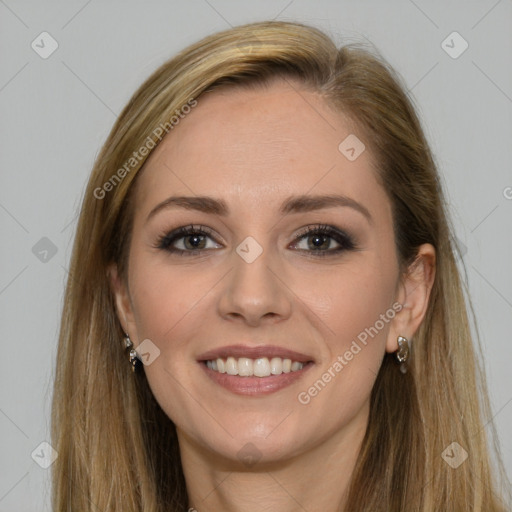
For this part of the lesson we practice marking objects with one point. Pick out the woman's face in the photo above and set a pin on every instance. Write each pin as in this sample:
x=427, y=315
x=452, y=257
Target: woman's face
x=256, y=286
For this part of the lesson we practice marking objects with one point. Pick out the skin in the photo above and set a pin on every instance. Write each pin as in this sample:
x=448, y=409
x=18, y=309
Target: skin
x=253, y=148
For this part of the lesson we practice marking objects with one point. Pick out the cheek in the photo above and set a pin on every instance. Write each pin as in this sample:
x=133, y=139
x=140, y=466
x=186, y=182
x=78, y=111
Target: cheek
x=359, y=315
x=168, y=306
x=351, y=301
x=162, y=296
x=355, y=305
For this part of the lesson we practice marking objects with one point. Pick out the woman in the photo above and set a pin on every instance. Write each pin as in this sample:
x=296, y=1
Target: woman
x=264, y=310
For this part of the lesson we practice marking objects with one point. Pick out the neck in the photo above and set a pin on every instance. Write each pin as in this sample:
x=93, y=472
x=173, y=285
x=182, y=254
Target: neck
x=314, y=480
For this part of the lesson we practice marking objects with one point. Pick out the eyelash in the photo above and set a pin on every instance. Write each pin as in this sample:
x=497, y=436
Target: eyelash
x=343, y=239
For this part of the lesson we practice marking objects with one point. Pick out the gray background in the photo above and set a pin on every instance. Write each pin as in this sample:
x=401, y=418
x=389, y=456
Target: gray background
x=56, y=112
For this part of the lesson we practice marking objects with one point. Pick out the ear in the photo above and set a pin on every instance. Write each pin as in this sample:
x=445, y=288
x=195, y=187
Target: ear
x=122, y=300
x=413, y=294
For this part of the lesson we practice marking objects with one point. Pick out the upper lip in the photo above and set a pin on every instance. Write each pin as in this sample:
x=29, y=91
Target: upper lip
x=238, y=351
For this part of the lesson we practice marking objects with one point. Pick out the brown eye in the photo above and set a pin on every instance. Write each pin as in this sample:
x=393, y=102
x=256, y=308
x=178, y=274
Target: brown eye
x=186, y=240
x=320, y=239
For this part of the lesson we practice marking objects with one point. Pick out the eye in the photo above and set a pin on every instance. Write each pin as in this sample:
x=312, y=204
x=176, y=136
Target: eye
x=187, y=240
x=319, y=240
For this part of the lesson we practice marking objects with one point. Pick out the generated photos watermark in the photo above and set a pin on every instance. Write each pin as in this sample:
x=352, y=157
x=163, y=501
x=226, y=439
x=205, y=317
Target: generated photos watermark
x=144, y=150
x=305, y=397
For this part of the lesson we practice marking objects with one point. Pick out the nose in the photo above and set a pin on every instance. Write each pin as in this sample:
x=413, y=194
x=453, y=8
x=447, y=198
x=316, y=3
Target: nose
x=255, y=292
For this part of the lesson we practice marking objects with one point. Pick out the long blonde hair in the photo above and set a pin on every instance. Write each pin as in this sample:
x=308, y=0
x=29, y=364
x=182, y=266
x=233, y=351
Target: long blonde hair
x=118, y=450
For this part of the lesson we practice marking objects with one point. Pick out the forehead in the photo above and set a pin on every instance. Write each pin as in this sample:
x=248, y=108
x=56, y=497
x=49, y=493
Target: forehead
x=260, y=144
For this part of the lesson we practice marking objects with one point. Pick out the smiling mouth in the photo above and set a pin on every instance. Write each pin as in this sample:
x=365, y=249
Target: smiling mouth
x=260, y=367
x=254, y=370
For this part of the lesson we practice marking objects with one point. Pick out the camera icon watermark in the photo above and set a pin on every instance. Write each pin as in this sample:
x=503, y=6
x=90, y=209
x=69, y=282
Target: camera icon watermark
x=351, y=147
x=248, y=45
x=454, y=45
x=147, y=351
x=44, y=455
x=44, y=250
x=249, y=249
x=249, y=454
x=44, y=45
x=507, y=193
x=454, y=455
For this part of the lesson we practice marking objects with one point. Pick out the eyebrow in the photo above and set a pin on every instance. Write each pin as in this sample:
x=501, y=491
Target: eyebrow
x=293, y=204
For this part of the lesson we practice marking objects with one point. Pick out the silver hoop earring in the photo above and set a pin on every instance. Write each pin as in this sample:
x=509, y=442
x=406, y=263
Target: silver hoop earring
x=403, y=352
x=133, y=357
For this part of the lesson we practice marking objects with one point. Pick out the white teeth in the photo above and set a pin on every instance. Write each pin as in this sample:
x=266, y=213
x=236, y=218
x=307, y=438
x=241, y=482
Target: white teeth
x=221, y=366
x=276, y=366
x=231, y=366
x=261, y=367
x=245, y=367
x=296, y=366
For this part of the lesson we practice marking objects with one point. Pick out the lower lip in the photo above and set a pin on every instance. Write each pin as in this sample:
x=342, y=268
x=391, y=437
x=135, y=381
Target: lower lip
x=255, y=386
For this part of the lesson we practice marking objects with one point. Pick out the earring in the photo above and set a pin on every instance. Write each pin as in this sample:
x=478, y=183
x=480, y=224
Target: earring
x=135, y=362
x=402, y=354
